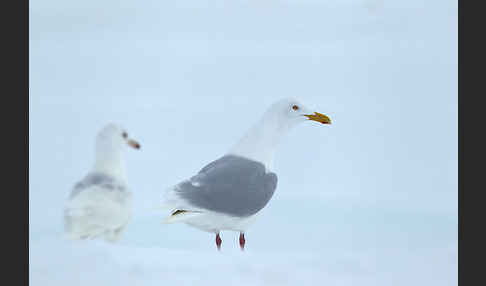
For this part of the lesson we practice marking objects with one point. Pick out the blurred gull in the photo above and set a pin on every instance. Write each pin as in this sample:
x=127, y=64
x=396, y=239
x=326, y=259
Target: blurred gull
x=227, y=194
x=100, y=204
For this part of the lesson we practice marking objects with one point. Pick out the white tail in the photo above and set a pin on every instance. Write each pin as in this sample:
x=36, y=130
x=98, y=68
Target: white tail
x=181, y=216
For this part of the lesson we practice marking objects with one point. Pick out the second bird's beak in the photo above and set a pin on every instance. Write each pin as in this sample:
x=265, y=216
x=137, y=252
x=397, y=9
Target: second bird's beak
x=319, y=117
x=133, y=143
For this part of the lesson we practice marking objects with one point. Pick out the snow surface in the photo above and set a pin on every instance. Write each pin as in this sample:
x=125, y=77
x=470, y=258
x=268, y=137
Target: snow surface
x=369, y=200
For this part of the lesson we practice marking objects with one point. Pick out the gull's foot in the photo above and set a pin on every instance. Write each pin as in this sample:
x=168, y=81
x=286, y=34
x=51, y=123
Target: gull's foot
x=218, y=241
x=242, y=241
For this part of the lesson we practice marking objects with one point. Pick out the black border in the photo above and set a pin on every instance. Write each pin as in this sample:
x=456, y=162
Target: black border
x=27, y=88
x=21, y=68
x=15, y=138
x=460, y=20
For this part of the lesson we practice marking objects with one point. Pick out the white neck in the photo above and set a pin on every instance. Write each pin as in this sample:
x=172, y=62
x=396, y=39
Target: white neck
x=261, y=141
x=110, y=161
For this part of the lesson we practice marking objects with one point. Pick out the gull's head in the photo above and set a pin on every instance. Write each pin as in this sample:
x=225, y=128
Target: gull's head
x=260, y=142
x=113, y=136
x=289, y=112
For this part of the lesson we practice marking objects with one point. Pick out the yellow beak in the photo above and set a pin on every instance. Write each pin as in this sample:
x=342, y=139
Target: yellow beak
x=133, y=143
x=319, y=117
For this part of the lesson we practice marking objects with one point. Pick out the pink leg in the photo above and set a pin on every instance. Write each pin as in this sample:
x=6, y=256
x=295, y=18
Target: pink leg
x=242, y=241
x=218, y=241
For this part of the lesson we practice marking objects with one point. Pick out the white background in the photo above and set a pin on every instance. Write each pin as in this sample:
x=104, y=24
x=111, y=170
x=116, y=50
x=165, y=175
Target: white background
x=368, y=200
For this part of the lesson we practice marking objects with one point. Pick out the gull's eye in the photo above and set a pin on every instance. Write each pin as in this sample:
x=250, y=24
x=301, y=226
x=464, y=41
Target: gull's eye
x=295, y=107
x=125, y=135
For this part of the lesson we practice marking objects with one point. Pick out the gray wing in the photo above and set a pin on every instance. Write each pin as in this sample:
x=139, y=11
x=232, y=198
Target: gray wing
x=232, y=185
x=100, y=179
x=104, y=205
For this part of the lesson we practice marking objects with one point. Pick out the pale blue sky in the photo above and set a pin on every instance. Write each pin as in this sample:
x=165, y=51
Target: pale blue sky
x=188, y=78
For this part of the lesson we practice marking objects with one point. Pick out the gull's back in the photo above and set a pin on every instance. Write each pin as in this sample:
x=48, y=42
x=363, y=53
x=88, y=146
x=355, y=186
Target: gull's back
x=99, y=205
x=231, y=185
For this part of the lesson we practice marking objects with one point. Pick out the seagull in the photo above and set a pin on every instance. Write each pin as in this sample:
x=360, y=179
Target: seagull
x=100, y=204
x=229, y=193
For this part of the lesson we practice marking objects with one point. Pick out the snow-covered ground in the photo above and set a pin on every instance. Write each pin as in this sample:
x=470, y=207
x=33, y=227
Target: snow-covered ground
x=369, y=200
